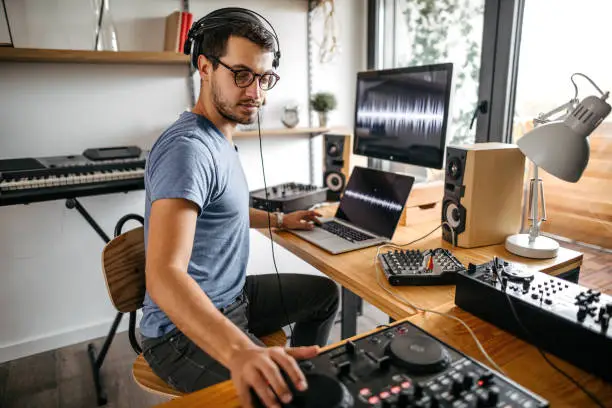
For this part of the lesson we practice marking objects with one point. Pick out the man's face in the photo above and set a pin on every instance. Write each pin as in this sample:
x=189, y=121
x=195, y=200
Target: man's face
x=240, y=105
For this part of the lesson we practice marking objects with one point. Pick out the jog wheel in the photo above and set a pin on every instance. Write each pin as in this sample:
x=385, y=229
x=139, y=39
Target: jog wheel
x=516, y=274
x=419, y=354
x=323, y=391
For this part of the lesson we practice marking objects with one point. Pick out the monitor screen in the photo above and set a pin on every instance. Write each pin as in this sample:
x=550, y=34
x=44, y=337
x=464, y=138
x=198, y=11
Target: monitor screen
x=374, y=200
x=402, y=114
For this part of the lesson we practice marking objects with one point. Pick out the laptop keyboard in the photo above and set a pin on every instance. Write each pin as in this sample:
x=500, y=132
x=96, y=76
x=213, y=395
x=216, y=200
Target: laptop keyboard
x=345, y=232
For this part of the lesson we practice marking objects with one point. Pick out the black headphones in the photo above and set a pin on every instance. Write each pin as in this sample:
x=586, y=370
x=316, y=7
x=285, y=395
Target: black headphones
x=220, y=18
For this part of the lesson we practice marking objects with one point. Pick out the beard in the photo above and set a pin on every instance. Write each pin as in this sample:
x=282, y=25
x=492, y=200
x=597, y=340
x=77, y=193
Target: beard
x=231, y=111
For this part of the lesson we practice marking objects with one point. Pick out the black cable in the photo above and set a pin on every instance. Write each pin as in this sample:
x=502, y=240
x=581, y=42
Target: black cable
x=530, y=339
x=280, y=286
x=8, y=25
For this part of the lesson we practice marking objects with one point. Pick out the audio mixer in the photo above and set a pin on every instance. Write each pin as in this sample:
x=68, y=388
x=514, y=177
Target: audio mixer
x=414, y=267
x=288, y=197
x=402, y=366
x=562, y=317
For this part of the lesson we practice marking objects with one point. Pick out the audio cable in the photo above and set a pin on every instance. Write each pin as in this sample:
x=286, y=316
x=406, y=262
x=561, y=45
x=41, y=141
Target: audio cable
x=417, y=308
x=530, y=338
x=280, y=286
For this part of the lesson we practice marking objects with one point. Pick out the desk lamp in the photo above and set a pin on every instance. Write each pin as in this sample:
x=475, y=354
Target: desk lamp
x=559, y=146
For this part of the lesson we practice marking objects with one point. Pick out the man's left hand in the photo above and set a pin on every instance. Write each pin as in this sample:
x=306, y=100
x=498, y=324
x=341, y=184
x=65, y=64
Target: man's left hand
x=301, y=220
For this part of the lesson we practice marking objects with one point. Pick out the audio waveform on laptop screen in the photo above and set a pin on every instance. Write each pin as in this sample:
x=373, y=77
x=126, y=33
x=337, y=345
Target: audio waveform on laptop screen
x=417, y=114
x=388, y=205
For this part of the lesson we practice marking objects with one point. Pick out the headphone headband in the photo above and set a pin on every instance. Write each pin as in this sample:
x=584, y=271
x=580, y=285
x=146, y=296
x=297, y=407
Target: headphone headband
x=220, y=18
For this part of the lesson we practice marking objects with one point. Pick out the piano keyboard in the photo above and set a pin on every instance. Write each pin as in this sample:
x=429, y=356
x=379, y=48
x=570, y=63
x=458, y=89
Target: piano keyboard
x=50, y=178
x=70, y=179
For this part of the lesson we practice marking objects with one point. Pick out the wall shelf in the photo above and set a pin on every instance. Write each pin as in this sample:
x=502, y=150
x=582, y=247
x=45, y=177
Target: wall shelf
x=283, y=132
x=92, y=57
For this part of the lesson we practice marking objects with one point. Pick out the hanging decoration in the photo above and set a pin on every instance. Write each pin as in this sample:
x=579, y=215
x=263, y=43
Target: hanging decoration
x=329, y=46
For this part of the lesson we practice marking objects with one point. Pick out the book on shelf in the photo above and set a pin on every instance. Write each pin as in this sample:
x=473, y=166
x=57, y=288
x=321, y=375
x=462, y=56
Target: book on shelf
x=177, y=26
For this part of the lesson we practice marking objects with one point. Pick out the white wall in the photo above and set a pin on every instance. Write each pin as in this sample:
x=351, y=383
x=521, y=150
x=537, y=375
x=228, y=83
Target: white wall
x=51, y=289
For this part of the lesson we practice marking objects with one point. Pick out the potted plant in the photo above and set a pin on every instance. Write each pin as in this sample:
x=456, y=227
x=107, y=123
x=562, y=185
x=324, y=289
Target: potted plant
x=322, y=103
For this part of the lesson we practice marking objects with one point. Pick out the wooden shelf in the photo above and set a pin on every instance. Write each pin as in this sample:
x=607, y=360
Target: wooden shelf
x=92, y=57
x=282, y=132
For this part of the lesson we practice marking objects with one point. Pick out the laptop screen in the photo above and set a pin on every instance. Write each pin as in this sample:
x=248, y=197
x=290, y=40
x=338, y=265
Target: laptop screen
x=374, y=200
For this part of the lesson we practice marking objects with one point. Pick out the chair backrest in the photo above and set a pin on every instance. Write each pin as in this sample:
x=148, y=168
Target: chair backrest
x=123, y=265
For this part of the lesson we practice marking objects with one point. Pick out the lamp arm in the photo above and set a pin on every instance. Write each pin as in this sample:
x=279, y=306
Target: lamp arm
x=568, y=107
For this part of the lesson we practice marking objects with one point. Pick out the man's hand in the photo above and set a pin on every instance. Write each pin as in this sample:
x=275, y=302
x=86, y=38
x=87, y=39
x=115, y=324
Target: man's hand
x=300, y=220
x=259, y=368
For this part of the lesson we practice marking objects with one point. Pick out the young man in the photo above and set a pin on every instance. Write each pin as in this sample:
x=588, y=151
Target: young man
x=202, y=314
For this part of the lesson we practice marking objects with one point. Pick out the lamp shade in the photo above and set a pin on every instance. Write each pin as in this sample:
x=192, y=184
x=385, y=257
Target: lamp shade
x=557, y=149
x=561, y=147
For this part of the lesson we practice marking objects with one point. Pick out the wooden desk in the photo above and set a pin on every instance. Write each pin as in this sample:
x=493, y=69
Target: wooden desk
x=520, y=361
x=356, y=270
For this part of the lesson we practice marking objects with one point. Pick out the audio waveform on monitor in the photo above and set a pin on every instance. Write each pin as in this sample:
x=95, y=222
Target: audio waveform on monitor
x=388, y=205
x=397, y=114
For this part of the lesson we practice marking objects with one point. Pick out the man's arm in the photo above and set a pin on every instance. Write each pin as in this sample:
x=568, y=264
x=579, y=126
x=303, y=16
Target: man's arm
x=294, y=220
x=259, y=218
x=171, y=232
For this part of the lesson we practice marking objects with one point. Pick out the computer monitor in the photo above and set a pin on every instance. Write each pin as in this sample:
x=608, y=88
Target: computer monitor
x=402, y=114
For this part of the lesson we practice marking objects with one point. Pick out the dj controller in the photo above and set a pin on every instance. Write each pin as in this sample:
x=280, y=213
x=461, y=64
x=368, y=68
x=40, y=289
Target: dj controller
x=402, y=366
x=288, y=197
x=561, y=317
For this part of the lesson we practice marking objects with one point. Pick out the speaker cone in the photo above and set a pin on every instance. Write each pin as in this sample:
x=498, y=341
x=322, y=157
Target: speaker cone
x=334, y=181
x=453, y=168
x=453, y=215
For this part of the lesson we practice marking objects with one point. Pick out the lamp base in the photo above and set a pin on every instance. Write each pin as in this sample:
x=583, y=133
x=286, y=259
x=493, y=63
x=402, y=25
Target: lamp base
x=541, y=248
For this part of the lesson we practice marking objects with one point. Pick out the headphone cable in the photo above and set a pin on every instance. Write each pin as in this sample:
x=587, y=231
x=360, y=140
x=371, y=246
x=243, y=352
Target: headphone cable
x=280, y=286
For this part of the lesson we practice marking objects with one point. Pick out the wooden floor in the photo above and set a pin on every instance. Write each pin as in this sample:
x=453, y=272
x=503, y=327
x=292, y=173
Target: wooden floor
x=62, y=377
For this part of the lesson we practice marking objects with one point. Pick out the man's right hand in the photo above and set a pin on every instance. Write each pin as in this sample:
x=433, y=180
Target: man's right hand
x=259, y=368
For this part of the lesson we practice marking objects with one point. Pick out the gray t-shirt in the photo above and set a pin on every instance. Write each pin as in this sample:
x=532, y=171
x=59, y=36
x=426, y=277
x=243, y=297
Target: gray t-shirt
x=193, y=160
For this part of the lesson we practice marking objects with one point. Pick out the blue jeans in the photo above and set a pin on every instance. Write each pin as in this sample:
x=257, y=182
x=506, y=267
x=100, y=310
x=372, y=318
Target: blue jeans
x=311, y=302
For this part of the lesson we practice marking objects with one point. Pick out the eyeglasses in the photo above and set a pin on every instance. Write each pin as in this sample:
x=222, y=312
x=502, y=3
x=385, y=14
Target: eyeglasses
x=245, y=77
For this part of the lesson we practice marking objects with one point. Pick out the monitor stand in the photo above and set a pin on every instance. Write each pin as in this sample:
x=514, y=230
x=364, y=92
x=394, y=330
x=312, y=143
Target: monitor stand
x=420, y=174
x=426, y=194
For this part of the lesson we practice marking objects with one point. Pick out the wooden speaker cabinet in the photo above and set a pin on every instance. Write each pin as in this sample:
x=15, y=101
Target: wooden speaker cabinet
x=483, y=191
x=336, y=161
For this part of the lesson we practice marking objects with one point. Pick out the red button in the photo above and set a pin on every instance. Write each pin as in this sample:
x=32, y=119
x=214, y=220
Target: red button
x=395, y=389
x=384, y=395
x=406, y=384
x=374, y=400
x=365, y=392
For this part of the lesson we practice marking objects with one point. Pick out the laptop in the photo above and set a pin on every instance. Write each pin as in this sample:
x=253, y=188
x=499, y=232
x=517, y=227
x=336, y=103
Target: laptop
x=369, y=211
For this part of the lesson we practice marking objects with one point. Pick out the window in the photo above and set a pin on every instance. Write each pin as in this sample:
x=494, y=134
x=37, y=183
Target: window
x=423, y=32
x=559, y=38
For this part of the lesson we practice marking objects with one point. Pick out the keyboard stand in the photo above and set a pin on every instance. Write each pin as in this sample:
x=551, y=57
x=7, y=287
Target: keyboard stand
x=97, y=361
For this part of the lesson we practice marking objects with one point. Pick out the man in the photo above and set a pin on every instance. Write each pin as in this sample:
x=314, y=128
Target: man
x=202, y=314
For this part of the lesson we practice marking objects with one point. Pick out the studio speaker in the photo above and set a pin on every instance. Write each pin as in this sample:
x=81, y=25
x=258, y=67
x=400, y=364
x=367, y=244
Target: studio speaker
x=483, y=189
x=336, y=155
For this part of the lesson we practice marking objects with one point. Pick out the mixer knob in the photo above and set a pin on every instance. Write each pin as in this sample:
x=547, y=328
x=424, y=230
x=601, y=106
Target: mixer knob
x=418, y=391
x=486, y=378
x=493, y=397
x=483, y=400
x=350, y=348
x=604, y=321
x=344, y=368
x=471, y=269
x=405, y=399
x=468, y=381
x=457, y=388
x=384, y=363
x=582, y=311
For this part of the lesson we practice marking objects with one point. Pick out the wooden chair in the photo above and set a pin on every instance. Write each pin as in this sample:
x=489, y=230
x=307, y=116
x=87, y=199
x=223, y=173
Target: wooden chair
x=123, y=265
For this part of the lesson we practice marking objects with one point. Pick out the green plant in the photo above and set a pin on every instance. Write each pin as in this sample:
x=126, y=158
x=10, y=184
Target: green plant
x=443, y=30
x=323, y=102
